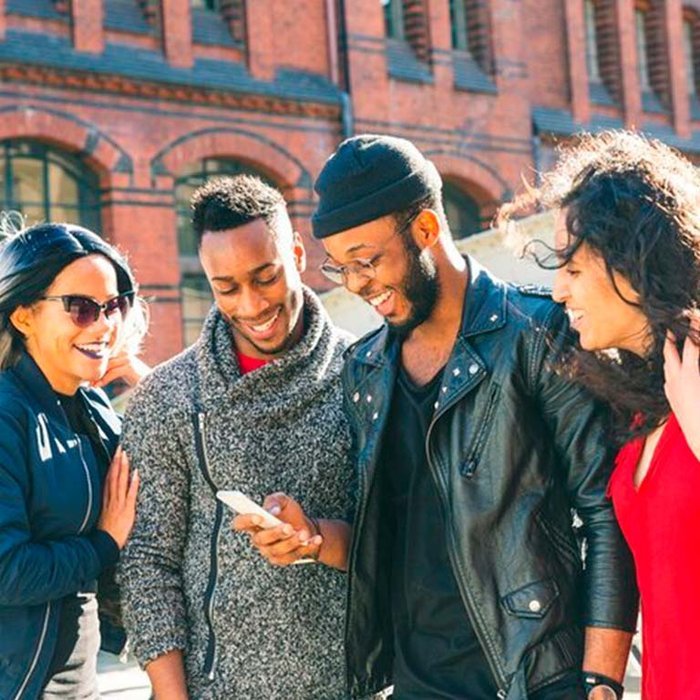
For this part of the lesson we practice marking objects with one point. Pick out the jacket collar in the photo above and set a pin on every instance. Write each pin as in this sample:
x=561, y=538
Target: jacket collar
x=37, y=386
x=484, y=310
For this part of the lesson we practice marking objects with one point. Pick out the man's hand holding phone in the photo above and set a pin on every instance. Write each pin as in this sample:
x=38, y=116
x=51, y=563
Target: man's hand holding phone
x=295, y=539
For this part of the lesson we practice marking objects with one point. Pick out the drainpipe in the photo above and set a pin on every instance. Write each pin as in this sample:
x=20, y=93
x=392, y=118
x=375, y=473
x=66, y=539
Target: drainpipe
x=340, y=75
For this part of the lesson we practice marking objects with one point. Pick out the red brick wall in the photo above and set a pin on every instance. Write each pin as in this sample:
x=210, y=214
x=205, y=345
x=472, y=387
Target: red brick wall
x=138, y=138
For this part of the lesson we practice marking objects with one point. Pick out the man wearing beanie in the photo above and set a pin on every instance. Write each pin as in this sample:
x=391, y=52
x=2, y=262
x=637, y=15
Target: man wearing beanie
x=466, y=576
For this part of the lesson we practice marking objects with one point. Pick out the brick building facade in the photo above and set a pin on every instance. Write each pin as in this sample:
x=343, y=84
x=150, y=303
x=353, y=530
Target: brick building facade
x=113, y=110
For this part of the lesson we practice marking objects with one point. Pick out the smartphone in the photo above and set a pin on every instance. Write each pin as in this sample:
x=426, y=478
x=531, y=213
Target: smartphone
x=239, y=502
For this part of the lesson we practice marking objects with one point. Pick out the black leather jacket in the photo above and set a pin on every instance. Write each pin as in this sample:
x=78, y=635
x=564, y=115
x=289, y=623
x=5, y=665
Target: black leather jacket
x=513, y=448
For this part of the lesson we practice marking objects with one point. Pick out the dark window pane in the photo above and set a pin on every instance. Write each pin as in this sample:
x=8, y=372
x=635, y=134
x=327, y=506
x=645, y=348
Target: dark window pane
x=458, y=25
x=462, y=211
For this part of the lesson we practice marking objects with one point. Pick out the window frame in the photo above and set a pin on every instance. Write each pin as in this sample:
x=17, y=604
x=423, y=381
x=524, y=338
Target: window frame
x=590, y=8
x=641, y=34
x=87, y=206
x=458, y=196
x=459, y=31
x=394, y=19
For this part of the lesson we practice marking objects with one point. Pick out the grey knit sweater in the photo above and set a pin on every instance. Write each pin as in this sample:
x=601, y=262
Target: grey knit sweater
x=247, y=629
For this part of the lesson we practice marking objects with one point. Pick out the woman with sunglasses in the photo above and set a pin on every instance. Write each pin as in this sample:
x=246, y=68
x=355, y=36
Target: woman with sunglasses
x=627, y=242
x=67, y=500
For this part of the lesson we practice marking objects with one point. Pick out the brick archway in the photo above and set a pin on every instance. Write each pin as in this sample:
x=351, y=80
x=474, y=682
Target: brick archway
x=478, y=179
x=68, y=133
x=261, y=153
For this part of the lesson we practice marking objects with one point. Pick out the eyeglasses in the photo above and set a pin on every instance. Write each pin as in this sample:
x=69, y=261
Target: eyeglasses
x=366, y=268
x=84, y=311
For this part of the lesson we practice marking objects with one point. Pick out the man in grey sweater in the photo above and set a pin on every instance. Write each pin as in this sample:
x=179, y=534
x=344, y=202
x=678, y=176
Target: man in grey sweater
x=255, y=404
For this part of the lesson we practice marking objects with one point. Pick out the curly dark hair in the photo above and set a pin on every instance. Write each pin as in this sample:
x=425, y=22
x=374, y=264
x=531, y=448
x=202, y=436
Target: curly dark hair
x=229, y=202
x=636, y=203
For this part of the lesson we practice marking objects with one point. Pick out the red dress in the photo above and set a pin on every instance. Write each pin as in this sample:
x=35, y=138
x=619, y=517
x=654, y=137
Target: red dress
x=661, y=522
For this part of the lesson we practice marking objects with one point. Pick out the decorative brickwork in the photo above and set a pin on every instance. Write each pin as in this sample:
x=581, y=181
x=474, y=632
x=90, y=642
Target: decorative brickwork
x=138, y=108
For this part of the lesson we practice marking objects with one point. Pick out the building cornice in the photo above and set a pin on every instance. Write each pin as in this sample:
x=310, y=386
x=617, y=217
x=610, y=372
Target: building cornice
x=47, y=76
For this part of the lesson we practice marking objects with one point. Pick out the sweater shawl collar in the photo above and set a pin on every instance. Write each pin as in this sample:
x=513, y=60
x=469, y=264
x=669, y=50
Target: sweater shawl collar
x=280, y=389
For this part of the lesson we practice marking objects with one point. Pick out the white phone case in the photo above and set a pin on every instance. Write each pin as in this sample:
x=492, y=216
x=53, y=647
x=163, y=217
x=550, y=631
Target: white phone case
x=243, y=505
x=240, y=503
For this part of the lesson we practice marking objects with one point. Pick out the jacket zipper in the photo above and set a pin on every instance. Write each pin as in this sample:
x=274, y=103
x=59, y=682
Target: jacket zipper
x=210, y=660
x=469, y=466
x=464, y=590
x=89, y=485
x=35, y=660
x=86, y=470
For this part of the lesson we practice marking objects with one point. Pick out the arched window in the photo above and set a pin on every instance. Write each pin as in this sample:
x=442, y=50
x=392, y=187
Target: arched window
x=195, y=293
x=46, y=184
x=463, y=212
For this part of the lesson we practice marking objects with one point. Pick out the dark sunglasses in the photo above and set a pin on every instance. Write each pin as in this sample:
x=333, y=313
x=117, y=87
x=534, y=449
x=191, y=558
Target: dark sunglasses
x=84, y=311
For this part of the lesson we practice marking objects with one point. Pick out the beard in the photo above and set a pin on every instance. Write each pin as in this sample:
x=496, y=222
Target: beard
x=421, y=287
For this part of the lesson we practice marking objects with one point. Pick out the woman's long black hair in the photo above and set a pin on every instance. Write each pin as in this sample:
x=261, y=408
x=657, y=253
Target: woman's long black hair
x=31, y=259
x=636, y=203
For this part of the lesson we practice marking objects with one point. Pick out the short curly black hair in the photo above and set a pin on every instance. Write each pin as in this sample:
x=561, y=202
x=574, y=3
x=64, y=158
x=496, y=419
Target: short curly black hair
x=229, y=202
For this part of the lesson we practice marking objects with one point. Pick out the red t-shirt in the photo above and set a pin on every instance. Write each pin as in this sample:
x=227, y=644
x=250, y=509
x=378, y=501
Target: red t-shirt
x=661, y=522
x=248, y=364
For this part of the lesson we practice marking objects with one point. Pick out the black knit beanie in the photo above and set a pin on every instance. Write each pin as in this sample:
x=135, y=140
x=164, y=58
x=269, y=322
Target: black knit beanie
x=368, y=177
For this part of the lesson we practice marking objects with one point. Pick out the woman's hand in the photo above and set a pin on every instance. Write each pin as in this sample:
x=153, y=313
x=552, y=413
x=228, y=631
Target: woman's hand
x=298, y=538
x=119, y=500
x=124, y=365
x=682, y=388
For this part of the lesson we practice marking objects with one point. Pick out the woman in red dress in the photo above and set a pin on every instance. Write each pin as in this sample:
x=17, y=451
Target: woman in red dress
x=627, y=244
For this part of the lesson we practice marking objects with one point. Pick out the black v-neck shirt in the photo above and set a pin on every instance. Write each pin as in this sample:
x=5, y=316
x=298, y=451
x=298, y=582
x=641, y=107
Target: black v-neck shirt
x=437, y=654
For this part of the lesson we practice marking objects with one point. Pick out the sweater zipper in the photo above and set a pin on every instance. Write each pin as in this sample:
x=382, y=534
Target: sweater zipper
x=210, y=660
x=37, y=653
x=470, y=604
x=359, y=519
